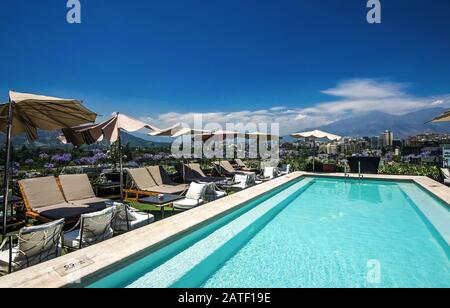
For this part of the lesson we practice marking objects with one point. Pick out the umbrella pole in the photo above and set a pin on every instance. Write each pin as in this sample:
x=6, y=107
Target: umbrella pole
x=121, y=166
x=314, y=155
x=7, y=169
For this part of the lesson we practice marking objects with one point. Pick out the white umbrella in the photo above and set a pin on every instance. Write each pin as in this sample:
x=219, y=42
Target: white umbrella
x=107, y=130
x=316, y=134
x=26, y=113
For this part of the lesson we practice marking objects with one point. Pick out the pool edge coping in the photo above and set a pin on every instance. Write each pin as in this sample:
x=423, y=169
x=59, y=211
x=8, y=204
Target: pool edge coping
x=107, y=254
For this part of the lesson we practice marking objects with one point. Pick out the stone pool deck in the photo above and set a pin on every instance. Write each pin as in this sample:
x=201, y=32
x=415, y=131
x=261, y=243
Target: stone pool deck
x=74, y=268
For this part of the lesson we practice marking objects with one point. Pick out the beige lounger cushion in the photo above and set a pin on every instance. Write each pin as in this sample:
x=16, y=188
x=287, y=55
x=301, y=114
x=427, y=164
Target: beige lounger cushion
x=142, y=179
x=226, y=166
x=159, y=175
x=195, y=173
x=42, y=192
x=76, y=187
x=197, y=170
x=145, y=182
x=240, y=163
x=164, y=182
x=168, y=189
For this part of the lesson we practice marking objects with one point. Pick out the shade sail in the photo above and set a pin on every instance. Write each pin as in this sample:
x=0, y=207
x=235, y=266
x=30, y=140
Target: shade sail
x=107, y=130
x=223, y=135
x=317, y=134
x=31, y=112
x=260, y=135
x=168, y=132
x=445, y=117
x=191, y=131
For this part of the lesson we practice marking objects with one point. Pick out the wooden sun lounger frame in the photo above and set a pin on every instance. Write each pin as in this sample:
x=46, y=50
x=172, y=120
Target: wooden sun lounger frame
x=137, y=193
x=29, y=213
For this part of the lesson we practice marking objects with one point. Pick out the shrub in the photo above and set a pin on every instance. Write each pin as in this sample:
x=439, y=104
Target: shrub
x=395, y=168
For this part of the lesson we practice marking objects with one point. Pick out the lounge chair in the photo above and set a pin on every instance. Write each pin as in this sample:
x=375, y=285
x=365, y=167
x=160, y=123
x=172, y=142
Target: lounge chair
x=194, y=197
x=285, y=169
x=163, y=180
x=143, y=184
x=194, y=173
x=128, y=219
x=91, y=229
x=269, y=173
x=45, y=202
x=224, y=168
x=35, y=245
x=212, y=192
x=243, y=181
x=446, y=174
x=78, y=190
x=241, y=165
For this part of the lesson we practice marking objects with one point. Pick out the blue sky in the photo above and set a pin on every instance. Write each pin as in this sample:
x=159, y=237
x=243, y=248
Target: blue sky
x=300, y=63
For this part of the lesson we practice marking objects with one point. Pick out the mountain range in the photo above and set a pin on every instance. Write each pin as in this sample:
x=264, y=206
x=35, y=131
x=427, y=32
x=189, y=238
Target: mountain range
x=375, y=123
x=49, y=139
x=370, y=124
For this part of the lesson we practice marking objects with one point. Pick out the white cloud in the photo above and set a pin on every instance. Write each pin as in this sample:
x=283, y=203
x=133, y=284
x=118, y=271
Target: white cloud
x=351, y=98
x=366, y=88
x=438, y=102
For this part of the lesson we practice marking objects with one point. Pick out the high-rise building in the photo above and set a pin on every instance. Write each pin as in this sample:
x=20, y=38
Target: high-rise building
x=388, y=138
x=375, y=143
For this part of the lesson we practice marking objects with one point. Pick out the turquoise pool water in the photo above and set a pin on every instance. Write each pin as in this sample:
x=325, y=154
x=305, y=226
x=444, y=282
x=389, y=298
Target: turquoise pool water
x=317, y=232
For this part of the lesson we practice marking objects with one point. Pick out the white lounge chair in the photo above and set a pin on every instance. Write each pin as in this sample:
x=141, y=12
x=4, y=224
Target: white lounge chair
x=213, y=193
x=128, y=219
x=285, y=169
x=269, y=173
x=243, y=181
x=35, y=245
x=93, y=228
x=194, y=197
x=446, y=174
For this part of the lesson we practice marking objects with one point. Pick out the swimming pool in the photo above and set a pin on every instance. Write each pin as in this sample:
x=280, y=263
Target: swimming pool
x=315, y=232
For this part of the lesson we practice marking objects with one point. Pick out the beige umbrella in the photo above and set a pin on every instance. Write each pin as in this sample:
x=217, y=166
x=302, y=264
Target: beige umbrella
x=107, y=130
x=259, y=136
x=316, y=134
x=31, y=112
x=223, y=136
x=177, y=131
x=26, y=113
x=445, y=117
x=191, y=131
x=168, y=132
